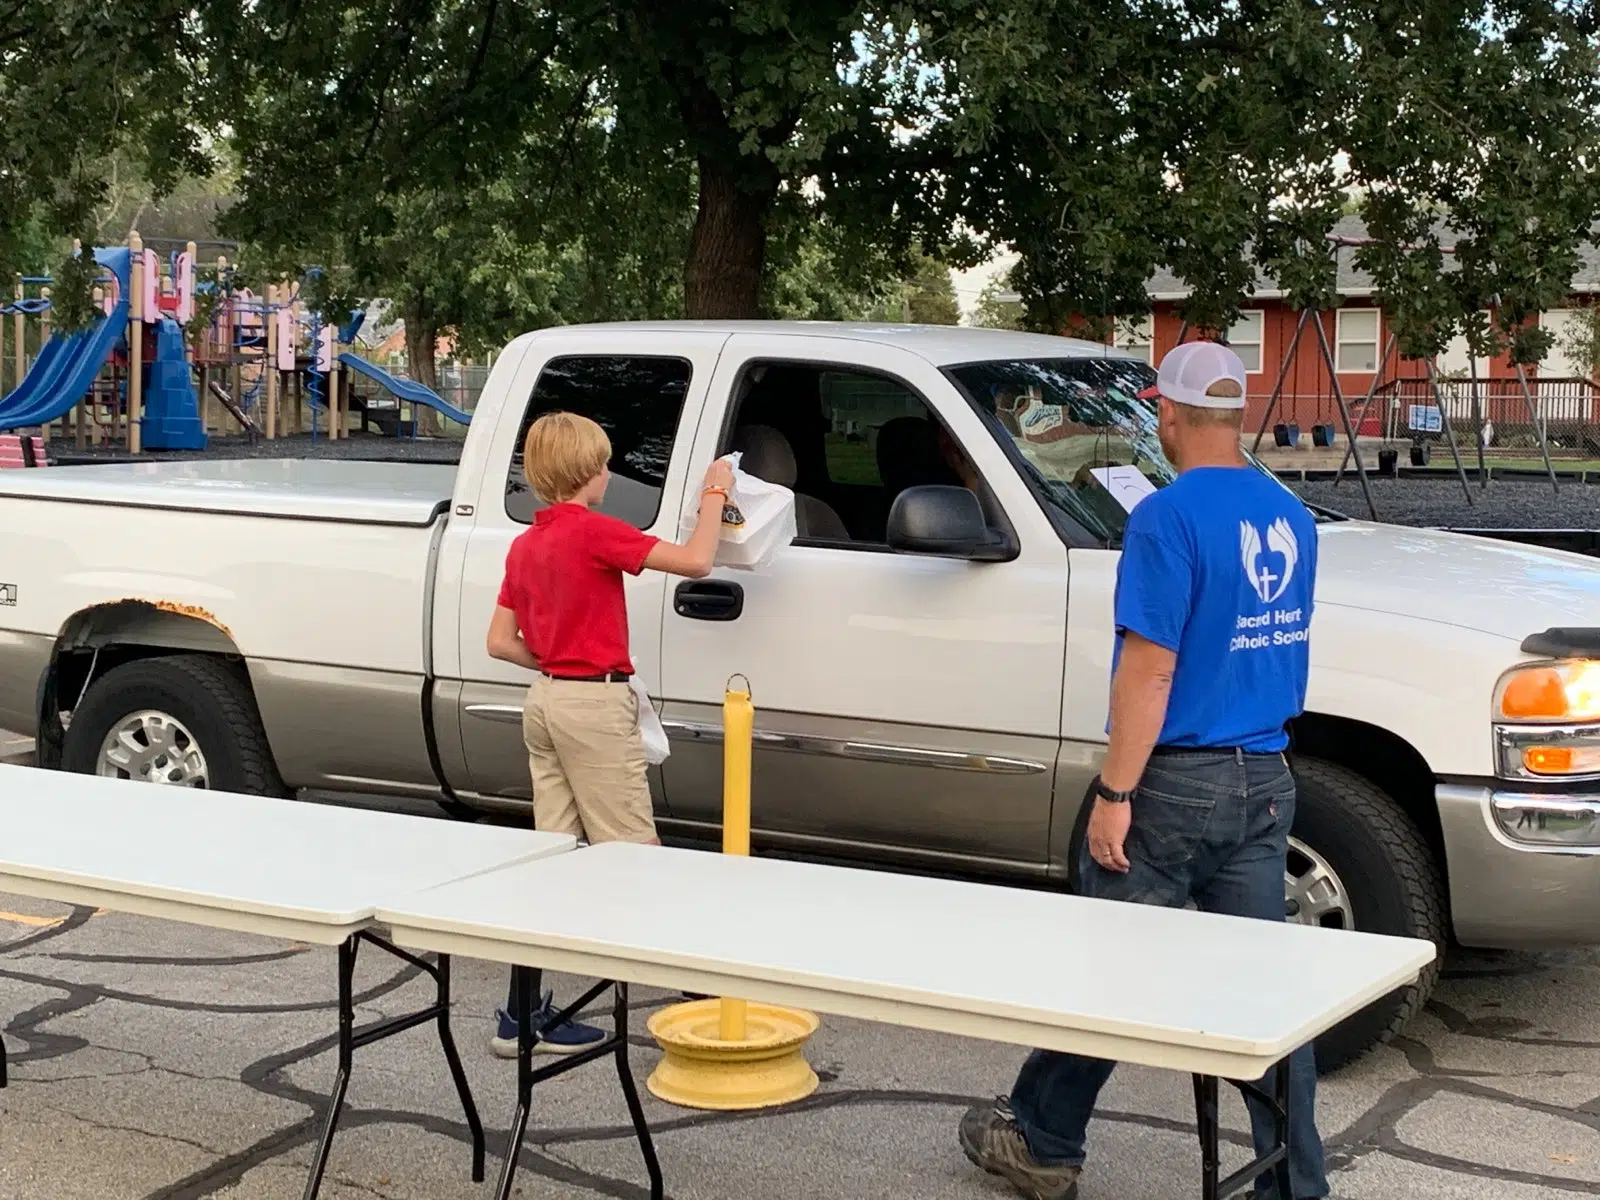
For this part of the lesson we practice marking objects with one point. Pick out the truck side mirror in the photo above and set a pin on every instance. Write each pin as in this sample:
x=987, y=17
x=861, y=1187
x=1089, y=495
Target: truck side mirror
x=948, y=522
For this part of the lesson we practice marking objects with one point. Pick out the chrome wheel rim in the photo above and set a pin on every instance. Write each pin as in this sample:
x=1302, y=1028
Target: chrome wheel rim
x=153, y=747
x=1313, y=892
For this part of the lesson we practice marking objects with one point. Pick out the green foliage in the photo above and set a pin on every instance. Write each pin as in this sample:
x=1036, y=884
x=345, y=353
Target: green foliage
x=80, y=81
x=1581, y=342
x=1214, y=139
x=495, y=166
x=72, y=286
x=930, y=293
x=995, y=313
x=923, y=295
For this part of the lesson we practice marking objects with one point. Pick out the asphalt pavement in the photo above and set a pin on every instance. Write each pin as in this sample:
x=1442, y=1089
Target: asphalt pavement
x=158, y=1061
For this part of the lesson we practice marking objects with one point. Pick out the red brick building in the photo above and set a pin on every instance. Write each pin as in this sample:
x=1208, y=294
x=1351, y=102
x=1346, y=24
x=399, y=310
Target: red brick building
x=1357, y=333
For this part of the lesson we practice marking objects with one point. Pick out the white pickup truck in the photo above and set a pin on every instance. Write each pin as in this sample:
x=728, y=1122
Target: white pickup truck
x=930, y=677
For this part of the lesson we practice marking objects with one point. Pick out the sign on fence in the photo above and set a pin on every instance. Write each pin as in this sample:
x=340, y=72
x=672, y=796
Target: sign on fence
x=1425, y=418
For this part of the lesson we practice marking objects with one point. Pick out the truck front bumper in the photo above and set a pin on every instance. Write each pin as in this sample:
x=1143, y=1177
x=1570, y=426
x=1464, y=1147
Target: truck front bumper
x=1524, y=867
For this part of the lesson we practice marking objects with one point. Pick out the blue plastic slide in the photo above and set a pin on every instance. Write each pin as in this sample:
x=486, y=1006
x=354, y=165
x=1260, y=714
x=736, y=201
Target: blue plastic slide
x=63, y=373
x=405, y=389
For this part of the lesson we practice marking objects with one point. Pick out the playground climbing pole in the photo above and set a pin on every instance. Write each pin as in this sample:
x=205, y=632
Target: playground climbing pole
x=21, y=336
x=269, y=362
x=135, y=337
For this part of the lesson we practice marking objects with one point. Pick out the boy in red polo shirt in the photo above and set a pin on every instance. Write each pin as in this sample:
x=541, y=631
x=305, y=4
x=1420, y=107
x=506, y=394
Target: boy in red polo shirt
x=562, y=613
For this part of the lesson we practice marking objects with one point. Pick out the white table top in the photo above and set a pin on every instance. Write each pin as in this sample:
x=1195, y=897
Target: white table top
x=1170, y=988
x=280, y=867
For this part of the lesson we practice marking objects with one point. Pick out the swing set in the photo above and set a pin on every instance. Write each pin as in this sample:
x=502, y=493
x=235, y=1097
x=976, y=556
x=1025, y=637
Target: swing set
x=1433, y=416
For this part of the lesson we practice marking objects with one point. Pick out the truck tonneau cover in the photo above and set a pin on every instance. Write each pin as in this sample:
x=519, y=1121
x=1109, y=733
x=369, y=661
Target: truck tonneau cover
x=371, y=493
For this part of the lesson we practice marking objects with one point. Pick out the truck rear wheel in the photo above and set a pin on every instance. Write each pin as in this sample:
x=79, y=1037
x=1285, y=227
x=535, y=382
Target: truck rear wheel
x=1357, y=861
x=182, y=720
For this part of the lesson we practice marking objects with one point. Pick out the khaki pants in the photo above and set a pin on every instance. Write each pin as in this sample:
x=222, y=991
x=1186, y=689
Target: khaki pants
x=587, y=761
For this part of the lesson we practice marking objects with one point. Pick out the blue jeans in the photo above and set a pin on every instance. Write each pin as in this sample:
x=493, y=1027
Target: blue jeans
x=1212, y=827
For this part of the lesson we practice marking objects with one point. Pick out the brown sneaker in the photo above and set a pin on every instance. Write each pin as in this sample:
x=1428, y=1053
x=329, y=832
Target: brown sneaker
x=990, y=1138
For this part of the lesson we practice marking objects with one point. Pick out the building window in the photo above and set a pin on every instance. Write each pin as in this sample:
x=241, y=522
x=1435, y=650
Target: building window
x=1456, y=362
x=1358, y=339
x=1134, y=334
x=1573, y=330
x=1244, y=336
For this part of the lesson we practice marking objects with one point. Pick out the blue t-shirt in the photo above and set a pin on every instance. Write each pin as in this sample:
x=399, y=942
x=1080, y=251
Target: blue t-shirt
x=1219, y=566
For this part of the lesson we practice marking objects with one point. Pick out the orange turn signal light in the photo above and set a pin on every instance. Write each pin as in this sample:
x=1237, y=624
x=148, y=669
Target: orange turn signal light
x=1538, y=693
x=1549, y=760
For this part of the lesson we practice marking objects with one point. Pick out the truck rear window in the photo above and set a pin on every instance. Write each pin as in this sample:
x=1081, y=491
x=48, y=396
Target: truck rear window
x=637, y=400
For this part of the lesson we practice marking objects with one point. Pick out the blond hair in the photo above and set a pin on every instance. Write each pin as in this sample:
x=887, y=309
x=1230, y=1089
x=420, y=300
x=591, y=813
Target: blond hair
x=561, y=453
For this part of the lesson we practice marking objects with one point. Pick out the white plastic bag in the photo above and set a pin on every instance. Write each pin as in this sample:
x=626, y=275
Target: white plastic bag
x=757, y=522
x=651, y=732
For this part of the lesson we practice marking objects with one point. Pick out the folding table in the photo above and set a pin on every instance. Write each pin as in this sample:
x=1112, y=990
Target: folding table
x=280, y=868
x=1210, y=995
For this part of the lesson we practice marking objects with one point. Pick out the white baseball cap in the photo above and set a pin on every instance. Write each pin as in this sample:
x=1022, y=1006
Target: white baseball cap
x=1188, y=372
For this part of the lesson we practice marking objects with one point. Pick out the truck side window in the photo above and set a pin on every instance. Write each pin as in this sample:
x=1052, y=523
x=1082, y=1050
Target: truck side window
x=637, y=401
x=848, y=441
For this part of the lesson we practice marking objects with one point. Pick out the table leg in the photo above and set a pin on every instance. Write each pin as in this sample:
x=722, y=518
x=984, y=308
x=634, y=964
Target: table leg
x=341, y=1079
x=630, y=1092
x=350, y=1038
x=451, y=1056
x=527, y=986
x=1209, y=1125
x=1280, y=1129
x=1205, y=1115
x=2, y=1062
x=528, y=981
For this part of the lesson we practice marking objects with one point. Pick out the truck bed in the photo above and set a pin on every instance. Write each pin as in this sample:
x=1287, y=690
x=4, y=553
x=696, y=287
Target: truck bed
x=367, y=493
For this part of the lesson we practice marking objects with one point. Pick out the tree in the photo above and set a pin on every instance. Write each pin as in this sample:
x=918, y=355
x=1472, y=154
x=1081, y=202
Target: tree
x=81, y=81
x=758, y=99
x=1214, y=140
x=931, y=293
x=995, y=313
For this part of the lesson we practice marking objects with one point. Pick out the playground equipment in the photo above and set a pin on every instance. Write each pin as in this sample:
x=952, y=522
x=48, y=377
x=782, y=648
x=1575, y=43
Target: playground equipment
x=287, y=368
x=145, y=302
x=265, y=359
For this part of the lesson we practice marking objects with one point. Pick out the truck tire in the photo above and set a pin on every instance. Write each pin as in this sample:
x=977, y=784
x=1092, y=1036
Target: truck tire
x=1390, y=884
x=185, y=720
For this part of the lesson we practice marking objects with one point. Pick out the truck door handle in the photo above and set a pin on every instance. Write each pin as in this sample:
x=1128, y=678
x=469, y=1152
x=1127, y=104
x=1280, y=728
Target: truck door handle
x=708, y=600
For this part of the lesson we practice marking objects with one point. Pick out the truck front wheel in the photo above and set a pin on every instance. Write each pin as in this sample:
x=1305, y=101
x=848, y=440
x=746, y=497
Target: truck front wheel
x=182, y=720
x=1357, y=861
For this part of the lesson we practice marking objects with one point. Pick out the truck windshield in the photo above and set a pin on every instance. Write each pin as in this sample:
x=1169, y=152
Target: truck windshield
x=1084, y=436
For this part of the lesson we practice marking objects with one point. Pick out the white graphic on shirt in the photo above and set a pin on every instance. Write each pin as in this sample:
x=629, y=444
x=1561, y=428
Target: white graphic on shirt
x=1281, y=541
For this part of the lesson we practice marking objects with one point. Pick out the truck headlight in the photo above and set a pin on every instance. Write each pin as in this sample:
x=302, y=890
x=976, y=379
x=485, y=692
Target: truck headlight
x=1548, y=721
x=1554, y=691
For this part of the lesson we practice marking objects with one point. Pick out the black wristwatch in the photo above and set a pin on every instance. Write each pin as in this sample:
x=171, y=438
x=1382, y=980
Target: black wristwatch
x=1102, y=792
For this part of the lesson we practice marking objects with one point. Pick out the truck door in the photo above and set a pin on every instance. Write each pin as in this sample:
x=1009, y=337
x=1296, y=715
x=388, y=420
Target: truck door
x=645, y=387
x=906, y=706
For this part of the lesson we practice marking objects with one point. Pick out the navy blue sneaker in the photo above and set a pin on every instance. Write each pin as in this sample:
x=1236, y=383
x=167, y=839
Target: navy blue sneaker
x=569, y=1038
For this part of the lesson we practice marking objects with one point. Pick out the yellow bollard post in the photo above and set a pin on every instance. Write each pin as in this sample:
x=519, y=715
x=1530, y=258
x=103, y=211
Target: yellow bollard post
x=738, y=731
x=729, y=1054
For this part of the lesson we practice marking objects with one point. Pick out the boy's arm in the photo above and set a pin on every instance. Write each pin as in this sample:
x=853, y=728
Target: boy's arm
x=694, y=558
x=506, y=643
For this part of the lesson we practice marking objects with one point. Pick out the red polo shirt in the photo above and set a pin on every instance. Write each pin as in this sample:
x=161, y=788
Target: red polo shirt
x=564, y=582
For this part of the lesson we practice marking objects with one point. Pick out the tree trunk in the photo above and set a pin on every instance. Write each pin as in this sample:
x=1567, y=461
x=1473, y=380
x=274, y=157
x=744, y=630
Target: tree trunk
x=422, y=345
x=722, y=277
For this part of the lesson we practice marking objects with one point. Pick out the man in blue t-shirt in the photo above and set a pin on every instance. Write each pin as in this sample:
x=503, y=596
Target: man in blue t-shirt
x=1195, y=800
